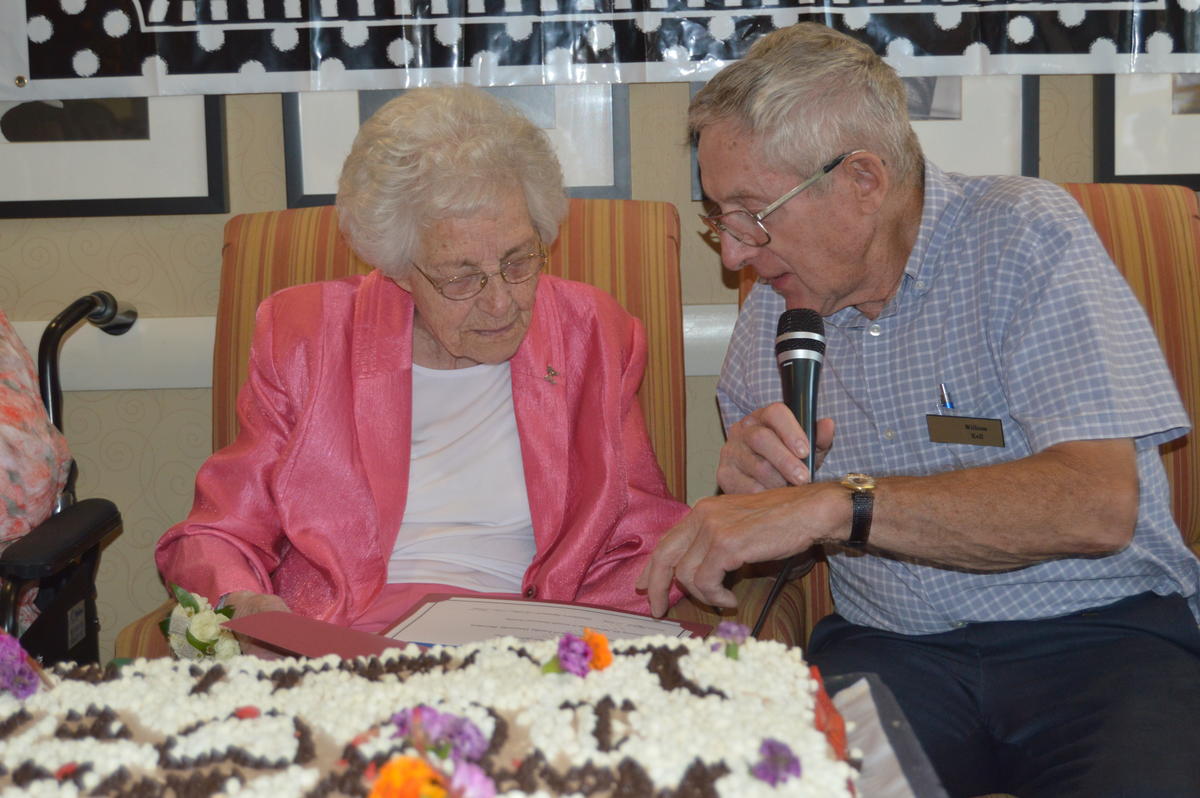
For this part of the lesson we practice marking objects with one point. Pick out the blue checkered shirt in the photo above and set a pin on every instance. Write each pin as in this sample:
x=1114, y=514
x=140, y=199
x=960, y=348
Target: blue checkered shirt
x=1010, y=300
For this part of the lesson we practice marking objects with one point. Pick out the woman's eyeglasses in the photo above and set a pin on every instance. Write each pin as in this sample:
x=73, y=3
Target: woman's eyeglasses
x=517, y=270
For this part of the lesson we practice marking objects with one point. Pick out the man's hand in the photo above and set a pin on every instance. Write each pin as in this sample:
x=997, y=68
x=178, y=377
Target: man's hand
x=723, y=533
x=247, y=602
x=767, y=449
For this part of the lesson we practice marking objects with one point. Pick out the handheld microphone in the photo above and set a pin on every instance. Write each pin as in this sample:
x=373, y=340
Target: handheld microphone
x=799, y=351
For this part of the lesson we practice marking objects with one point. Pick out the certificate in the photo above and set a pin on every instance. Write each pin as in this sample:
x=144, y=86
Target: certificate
x=454, y=620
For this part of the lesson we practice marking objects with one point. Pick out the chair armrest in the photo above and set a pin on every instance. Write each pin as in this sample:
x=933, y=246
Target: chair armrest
x=143, y=637
x=60, y=540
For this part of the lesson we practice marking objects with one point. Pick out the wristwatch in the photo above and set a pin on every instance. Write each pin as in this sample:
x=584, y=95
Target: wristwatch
x=862, y=494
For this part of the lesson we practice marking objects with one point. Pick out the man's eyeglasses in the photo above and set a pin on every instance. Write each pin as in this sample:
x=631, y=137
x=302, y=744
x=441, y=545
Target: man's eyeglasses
x=518, y=270
x=748, y=227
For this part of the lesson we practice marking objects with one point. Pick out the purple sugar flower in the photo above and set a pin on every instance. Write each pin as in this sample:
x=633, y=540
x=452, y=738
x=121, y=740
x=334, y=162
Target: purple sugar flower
x=574, y=654
x=733, y=632
x=778, y=763
x=438, y=726
x=467, y=741
x=406, y=719
x=16, y=674
x=444, y=733
x=470, y=781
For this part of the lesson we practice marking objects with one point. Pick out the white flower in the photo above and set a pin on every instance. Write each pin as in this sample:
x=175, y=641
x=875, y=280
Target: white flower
x=227, y=646
x=205, y=626
x=194, y=629
x=182, y=649
x=179, y=620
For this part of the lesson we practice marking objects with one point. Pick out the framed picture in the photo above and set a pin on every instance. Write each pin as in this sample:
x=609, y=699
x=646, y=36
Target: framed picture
x=1147, y=128
x=588, y=125
x=978, y=125
x=114, y=157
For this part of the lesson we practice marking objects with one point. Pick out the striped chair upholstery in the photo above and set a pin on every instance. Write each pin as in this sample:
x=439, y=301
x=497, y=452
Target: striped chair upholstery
x=629, y=248
x=1152, y=233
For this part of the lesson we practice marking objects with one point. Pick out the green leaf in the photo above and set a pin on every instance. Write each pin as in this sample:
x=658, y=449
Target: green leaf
x=552, y=666
x=196, y=643
x=225, y=611
x=165, y=626
x=185, y=599
x=731, y=650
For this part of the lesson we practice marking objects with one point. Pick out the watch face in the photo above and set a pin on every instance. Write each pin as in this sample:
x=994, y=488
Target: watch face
x=858, y=481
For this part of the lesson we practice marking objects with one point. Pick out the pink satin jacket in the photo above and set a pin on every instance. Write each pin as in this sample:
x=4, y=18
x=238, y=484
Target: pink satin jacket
x=307, y=501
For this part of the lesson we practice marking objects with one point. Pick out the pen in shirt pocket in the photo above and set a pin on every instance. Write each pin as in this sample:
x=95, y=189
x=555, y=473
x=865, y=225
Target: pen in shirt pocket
x=945, y=403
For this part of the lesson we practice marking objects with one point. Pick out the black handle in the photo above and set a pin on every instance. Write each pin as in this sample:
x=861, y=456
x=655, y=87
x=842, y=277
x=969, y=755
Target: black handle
x=101, y=309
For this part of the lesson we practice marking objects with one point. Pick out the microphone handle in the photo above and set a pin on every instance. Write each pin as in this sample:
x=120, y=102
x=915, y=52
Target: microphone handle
x=799, y=378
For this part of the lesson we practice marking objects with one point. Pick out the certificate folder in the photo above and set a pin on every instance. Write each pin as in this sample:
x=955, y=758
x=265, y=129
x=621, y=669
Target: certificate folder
x=452, y=620
x=457, y=619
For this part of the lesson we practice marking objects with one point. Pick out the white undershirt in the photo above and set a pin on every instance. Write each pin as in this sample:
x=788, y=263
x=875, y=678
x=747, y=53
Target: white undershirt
x=467, y=520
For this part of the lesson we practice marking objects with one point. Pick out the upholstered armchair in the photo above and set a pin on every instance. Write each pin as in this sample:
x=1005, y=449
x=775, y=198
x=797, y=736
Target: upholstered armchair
x=1152, y=233
x=629, y=248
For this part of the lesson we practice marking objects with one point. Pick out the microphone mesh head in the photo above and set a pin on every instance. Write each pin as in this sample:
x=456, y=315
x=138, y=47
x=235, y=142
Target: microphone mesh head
x=800, y=320
x=800, y=328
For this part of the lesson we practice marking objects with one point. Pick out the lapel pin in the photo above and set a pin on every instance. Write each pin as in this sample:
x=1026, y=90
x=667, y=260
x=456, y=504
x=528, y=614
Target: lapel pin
x=550, y=375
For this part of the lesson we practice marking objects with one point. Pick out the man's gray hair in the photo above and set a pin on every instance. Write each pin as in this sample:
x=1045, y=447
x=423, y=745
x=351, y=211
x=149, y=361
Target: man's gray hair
x=808, y=94
x=436, y=153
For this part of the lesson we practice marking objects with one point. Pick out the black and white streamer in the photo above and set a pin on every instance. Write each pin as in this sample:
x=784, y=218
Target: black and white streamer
x=93, y=48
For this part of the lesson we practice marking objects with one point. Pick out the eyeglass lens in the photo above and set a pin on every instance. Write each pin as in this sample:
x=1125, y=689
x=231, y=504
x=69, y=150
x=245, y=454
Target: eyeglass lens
x=739, y=224
x=513, y=272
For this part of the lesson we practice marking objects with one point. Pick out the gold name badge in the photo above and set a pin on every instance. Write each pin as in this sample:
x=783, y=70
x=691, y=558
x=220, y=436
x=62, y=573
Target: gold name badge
x=961, y=429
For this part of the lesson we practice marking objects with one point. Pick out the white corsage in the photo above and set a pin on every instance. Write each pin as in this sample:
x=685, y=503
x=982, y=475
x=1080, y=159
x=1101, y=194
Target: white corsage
x=196, y=631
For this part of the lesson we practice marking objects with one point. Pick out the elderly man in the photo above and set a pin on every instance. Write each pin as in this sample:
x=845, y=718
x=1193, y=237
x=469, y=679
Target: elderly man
x=1029, y=601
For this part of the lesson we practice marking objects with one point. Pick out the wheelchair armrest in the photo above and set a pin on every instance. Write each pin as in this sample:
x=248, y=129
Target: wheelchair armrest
x=60, y=540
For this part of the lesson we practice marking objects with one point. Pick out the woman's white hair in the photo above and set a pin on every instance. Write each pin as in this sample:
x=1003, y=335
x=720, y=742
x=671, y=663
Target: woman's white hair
x=808, y=94
x=436, y=153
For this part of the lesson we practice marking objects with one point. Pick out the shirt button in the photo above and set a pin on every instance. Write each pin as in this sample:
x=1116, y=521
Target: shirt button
x=920, y=283
x=875, y=330
x=530, y=591
x=889, y=433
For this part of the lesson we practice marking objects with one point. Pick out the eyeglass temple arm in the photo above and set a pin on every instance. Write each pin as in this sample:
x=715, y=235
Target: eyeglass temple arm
x=826, y=169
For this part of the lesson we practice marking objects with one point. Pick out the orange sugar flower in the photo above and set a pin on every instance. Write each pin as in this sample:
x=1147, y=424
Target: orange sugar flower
x=408, y=777
x=598, y=643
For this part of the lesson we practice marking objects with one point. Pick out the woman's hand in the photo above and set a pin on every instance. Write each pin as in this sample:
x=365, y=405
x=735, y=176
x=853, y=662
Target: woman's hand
x=247, y=602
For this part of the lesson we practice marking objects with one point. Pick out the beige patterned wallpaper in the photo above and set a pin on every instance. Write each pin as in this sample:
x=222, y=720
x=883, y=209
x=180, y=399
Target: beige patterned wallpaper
x=142, y=448
x=1065, y=119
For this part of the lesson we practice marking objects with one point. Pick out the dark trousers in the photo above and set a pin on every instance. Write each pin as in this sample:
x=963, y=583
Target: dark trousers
x=1103, y=703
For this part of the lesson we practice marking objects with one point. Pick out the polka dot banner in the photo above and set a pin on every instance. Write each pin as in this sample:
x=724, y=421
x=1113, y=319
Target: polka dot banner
x=229, y=46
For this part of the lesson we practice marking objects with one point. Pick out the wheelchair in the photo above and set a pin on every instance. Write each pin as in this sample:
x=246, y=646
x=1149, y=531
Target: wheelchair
x=62, y=555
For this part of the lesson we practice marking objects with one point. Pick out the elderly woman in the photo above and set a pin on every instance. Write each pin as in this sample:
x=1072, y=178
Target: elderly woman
x=453, y=421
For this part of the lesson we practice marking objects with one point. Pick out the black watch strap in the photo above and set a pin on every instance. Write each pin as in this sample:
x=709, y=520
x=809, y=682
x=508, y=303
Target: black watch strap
x=860, y=527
